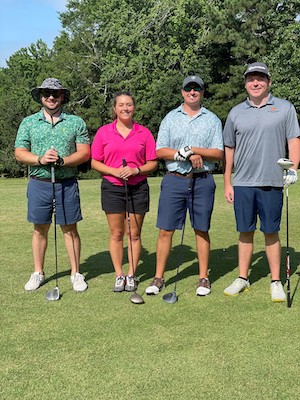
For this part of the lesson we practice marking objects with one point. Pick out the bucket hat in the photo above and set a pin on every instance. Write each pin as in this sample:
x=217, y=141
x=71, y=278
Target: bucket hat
x=51, y=84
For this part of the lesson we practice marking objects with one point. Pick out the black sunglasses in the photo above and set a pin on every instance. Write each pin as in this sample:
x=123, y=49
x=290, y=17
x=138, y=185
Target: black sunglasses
x=47, y=93
x=195, y=88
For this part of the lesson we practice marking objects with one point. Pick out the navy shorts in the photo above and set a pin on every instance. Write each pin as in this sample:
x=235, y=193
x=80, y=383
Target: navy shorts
x=40, y=202
x=113, y=198
x=173, y=202
x=265, y=202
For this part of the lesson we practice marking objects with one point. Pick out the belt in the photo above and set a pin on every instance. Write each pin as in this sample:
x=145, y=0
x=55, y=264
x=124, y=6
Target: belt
x=190, y=174
x=49, y=180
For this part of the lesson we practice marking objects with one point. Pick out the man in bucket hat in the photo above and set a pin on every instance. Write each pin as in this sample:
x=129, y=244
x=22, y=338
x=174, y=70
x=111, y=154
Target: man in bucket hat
x=46, y=138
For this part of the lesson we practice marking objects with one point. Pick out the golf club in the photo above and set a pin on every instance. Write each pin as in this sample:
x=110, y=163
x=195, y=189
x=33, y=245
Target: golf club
x=53, y=294
x=172, y=297
x=285, y=164
x=135, y=298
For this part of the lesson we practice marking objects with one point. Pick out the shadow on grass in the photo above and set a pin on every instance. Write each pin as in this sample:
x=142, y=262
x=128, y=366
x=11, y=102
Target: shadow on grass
x=222, y=261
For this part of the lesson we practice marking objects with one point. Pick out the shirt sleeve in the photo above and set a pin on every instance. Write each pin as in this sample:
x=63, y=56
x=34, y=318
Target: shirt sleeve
x=23, y=136
x=97, y=149
x=82, y=136
x=150, y=146
x=292, y=125
x=163, y=136
x=228, y=132
x=217, y=137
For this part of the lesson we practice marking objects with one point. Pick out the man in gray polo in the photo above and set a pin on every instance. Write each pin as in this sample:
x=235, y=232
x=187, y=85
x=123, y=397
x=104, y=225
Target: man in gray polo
x=255, y=137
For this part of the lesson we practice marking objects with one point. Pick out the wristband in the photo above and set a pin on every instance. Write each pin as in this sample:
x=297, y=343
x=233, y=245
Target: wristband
x=139, y=170
x=39, y=160
x=59, y=162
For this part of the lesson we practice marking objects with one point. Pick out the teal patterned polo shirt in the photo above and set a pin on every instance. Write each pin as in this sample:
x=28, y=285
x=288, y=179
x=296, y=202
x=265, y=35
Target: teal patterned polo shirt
x=37, y=135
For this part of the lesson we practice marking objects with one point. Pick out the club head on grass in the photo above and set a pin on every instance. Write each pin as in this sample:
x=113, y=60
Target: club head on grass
x=285, y=163
x=170, y=297
x=136, y=298
x=53, y=294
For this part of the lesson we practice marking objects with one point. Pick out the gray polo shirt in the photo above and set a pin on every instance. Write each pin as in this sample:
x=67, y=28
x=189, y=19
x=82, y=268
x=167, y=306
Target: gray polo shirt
x=259, y=137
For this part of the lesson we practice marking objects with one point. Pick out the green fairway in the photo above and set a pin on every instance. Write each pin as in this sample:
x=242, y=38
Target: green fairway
x=98, y=345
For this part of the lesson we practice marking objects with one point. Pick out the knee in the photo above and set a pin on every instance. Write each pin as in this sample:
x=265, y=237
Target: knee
x=134, y=235
x=41, y=231
x=117, y=235
x=70, y=231
x=165, y=235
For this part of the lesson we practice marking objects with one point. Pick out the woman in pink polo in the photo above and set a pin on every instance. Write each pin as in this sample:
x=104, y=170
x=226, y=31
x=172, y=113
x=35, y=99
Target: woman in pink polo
x=124, y=151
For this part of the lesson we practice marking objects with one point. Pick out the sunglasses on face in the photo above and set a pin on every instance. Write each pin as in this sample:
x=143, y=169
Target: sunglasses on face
x=195, y=88
x=54, y=93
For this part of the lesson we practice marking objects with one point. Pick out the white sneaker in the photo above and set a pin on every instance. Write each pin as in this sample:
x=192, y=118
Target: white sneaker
x=35, y=281
x=78, y=282
x=277, y=292
x=119, y=284
x=203, y=288
x=238, y=286
x=155, y=286
x=130, y=283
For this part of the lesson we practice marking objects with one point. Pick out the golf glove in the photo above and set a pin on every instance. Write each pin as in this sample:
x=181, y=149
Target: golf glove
x=290, y=177
x=183, y=154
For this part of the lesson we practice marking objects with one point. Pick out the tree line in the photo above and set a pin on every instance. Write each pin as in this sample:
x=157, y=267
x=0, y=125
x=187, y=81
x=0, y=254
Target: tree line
x=148, y=47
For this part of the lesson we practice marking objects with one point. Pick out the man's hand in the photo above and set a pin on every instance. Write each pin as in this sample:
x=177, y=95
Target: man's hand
x=183, y=154
x=290, y=177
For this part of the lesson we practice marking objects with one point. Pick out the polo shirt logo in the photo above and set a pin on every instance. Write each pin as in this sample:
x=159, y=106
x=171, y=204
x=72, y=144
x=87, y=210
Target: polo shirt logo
x=273, y=109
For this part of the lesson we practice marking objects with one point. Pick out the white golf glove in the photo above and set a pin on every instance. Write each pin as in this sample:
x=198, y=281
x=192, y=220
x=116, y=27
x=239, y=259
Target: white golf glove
x=183, y=154
x=290, y=177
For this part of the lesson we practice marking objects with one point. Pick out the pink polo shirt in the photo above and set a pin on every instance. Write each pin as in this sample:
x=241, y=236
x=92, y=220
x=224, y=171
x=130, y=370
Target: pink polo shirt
x=110, y=148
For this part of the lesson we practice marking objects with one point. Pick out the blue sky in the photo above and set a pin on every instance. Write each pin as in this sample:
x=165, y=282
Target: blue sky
x=23, y=22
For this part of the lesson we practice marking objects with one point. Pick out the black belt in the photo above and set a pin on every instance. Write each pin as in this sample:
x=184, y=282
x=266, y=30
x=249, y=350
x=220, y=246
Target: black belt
x=49, y=180
x=193, y=175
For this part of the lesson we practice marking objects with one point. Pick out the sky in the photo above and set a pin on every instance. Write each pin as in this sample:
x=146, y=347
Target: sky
x=23, y=22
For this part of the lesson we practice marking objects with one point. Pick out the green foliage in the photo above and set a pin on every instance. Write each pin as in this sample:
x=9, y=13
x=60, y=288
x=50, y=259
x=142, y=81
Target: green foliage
x=148, y=47
x=97, y=345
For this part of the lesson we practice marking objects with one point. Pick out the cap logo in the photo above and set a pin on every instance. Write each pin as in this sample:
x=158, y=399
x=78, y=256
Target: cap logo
x=256, y=67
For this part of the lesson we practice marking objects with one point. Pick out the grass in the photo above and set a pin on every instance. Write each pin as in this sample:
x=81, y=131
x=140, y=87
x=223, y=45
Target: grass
x=98, y=345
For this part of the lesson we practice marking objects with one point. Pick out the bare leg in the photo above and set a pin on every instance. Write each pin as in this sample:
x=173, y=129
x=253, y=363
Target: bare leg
x=116, y=227
x=136, y=223
x=39, y=246
x=73, y=246
x=245, y=252
x=273, y=252
x=203, y=249
x=163, y=249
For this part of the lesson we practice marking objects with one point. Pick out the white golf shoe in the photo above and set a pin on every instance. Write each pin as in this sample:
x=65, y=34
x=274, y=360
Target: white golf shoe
x=238, y=286
x=35, y=281
x=277, y=292
x=78, y=282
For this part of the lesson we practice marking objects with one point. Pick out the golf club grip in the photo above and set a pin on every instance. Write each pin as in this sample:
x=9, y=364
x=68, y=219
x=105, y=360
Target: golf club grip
x=52, y=174
x=124, y=162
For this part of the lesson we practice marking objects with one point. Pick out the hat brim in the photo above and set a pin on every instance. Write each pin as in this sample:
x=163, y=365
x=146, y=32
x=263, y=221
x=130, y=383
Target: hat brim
x=35, y=93
x=257, y=72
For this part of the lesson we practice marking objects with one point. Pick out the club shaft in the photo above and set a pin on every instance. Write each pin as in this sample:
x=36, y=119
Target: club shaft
x=183, y=230
x=54, y=218
x=124, y=163
x=287, y=262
